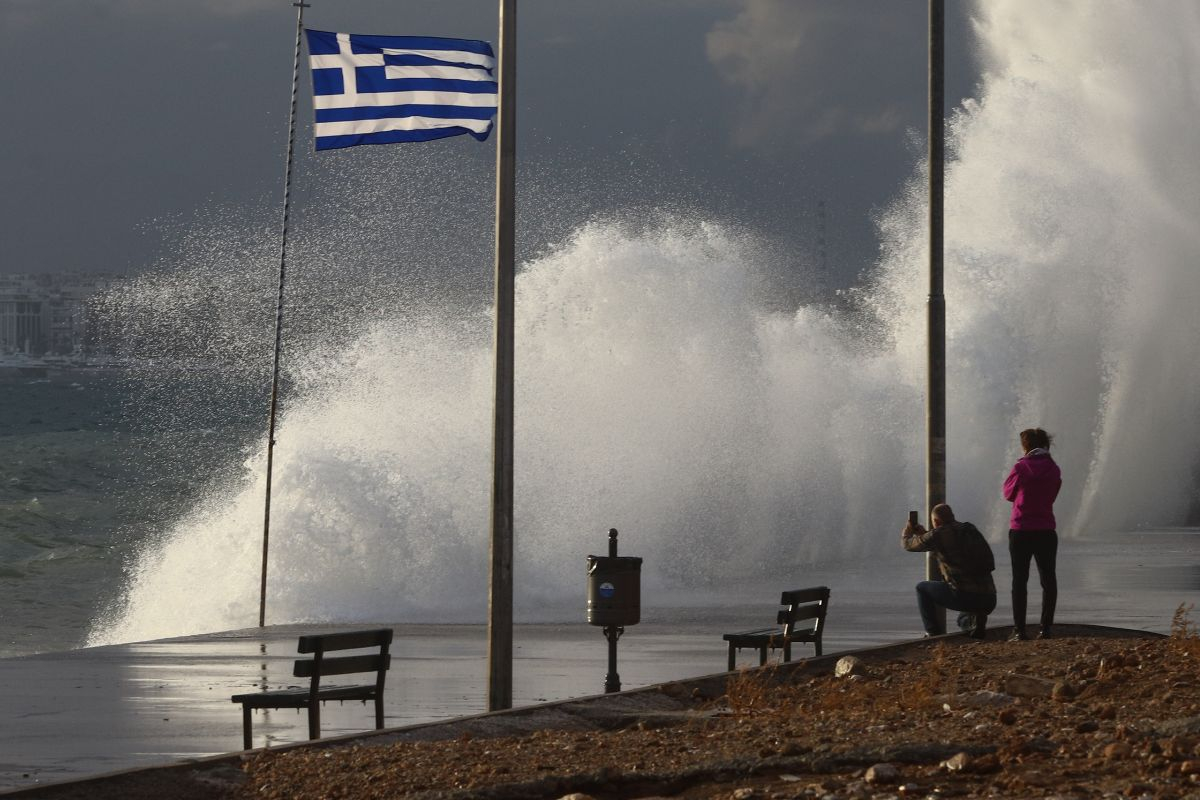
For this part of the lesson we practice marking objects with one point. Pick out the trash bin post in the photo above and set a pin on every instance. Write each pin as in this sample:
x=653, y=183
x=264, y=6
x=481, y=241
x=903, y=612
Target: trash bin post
x=612, y=680
x=614, y=600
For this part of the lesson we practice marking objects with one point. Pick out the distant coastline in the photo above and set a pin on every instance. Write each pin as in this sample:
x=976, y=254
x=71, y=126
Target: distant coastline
x=23, y=366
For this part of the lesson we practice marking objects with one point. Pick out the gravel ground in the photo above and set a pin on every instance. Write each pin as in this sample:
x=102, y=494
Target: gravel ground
x=1057, y=718
x=1083, y=717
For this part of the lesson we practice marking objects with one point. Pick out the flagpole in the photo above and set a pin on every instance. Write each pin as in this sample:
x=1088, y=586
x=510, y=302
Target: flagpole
x=500, y=594
x=935, y=418
x=283, y=251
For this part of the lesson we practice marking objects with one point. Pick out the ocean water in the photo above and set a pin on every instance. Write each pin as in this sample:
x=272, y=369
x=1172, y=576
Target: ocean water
x=84, y=481
x=660, y=389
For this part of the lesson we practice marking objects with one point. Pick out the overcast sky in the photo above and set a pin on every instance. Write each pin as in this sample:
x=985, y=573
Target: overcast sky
x=121, y=114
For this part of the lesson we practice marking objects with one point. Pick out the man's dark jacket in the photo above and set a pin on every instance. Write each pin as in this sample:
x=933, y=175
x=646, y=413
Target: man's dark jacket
x=962, y=553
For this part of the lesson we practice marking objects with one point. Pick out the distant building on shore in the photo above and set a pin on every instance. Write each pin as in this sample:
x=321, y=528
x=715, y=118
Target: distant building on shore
x=49, y=314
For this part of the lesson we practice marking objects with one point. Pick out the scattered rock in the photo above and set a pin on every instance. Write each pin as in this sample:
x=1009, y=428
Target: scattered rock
x=1189, y=768
x=1038, y=744
x=794, y=749
x=1087, y=726
x=1180, y=726
x=1008, y=716
x=957, y=763
x=744, y=793
x=1126, y=731
x=1117, y=750
x=980, y=699
x=849, y=665
x=1028, y=686
x=965, y=763
x=1063, y=691
x=1176, y=747
x=884, y=774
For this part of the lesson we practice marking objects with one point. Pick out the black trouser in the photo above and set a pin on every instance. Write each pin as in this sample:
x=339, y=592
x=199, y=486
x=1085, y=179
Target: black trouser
x=1042, y=547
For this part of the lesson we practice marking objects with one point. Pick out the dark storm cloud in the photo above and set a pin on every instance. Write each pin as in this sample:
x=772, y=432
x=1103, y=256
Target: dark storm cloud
x=815, y=70
x=120, y=113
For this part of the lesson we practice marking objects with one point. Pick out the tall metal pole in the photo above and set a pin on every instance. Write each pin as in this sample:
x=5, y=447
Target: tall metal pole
x=935, y=417
x=500, y=596
x=283, y=251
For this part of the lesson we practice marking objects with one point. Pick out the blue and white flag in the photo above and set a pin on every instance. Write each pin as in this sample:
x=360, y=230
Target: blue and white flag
x=382, y=89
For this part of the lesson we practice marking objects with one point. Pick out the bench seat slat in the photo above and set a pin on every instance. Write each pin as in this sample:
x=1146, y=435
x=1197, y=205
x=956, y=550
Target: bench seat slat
x=767, y=633
x=298, y=697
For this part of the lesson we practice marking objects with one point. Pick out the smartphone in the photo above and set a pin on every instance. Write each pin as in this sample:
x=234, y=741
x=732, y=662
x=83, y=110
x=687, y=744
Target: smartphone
x=912, y=518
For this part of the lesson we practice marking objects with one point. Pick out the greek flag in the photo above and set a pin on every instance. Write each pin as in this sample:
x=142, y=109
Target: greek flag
x=381, y=89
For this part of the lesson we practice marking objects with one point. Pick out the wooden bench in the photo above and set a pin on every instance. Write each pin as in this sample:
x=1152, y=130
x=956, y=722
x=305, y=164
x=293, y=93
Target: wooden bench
x=799, y=605
x=318, y=667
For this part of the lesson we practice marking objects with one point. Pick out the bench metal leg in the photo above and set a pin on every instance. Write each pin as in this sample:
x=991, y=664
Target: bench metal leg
x=762, y=655
x=732, y=657
x=787, y=650
x=379, y=713
x=314, y=721
x=247, y=742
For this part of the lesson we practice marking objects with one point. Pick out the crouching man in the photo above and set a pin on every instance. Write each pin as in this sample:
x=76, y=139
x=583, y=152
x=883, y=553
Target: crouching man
x=966, y=563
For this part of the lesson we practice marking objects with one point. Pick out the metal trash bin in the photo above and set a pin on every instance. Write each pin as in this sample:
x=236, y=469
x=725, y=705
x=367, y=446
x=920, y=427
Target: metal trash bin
x=614, y=590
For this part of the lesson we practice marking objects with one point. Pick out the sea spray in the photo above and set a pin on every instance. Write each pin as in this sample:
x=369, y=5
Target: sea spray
x=657, y=394
x=652, y=396
x=1071, y=253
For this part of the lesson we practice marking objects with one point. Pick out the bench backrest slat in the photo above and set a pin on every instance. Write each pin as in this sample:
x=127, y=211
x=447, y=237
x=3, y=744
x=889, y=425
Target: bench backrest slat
x=342, y=665
x=349, y=640
x=787, y=615
x=804, y=595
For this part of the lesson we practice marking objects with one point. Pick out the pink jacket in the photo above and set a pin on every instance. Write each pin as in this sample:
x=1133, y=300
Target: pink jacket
x=1031, y=487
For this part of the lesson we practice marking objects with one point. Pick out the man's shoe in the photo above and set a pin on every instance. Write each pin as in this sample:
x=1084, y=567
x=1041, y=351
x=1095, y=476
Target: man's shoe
x=1018, y=636
x=966, y=622
x=1045, y=634
x=979, y=631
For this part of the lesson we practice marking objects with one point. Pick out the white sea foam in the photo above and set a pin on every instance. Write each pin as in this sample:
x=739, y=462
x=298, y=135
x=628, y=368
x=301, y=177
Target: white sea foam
x=656, y=395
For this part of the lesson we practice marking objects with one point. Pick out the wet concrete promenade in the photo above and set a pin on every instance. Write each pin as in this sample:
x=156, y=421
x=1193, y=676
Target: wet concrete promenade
x=82, y=712
x=73, y=714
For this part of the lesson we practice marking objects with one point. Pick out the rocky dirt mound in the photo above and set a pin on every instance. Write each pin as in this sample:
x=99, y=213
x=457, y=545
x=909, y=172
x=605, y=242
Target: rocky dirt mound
x=1073, y=717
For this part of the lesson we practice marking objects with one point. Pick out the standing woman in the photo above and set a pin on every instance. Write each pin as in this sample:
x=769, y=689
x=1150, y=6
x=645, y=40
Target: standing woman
x=1032, y=487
